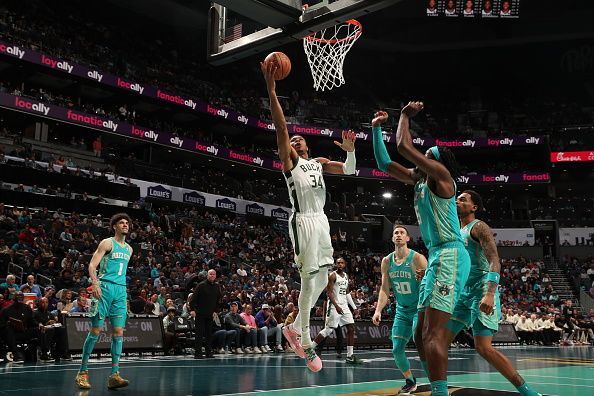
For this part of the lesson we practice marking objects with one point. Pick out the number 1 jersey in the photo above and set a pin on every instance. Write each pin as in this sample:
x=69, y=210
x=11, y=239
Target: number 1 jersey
x=114, y=264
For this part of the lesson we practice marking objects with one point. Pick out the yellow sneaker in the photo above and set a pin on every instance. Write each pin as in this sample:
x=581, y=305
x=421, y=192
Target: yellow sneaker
x=116, y=381
x=82, y=380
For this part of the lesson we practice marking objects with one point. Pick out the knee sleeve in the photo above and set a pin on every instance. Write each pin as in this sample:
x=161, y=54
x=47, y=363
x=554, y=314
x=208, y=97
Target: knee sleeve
x=398, y=346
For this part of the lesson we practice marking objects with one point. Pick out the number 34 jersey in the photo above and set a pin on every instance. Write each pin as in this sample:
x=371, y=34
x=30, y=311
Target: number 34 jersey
x=402, y=277
x=114, y=264
x=307, y=189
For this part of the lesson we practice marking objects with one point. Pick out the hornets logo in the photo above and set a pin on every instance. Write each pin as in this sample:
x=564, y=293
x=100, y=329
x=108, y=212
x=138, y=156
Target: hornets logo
x=444, y=290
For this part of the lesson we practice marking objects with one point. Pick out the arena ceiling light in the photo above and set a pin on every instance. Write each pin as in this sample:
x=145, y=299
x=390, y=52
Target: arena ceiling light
x=387, y=195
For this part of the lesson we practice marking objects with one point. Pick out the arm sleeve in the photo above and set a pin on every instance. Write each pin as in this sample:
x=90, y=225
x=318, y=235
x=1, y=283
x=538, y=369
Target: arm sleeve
x=350, y=165
x=350, y=301
x=382, y=158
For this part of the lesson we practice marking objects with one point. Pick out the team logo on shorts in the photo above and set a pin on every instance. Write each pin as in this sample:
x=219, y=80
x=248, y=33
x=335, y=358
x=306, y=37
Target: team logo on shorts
x=444, y=290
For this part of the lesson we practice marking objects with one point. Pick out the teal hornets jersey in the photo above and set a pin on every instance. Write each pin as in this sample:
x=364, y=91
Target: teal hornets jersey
x=114, y=264
x=402, y=278
x=479, y=265
x=437, y=217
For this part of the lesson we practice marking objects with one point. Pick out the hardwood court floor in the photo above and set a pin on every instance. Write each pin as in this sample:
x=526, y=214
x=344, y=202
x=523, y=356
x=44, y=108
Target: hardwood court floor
x=567, y=371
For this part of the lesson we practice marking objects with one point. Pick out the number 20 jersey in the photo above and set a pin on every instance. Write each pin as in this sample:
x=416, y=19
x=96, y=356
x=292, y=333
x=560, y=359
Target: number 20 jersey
x=402, y=277
x=307, y=189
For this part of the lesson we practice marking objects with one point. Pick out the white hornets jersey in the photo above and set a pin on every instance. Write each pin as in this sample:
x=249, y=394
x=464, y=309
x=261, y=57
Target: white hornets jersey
x=307, y=189
x=341, y=287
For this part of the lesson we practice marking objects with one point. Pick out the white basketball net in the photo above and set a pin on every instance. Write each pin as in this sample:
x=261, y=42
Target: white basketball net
x=326, y=51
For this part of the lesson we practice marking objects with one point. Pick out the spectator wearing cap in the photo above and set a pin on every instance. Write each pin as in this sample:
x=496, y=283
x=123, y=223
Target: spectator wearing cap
x=35, y=288
x=17, y=325
x=234, y=321
x=169, y=326
x=270, y=328
x=50, y=293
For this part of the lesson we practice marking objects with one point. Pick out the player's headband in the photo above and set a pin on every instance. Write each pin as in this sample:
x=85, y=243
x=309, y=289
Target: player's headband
x=435, y=152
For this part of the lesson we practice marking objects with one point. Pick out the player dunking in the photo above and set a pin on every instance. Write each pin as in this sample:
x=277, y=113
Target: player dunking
x=308, y=225
x=399, y=269
x=479, y=305
x=337, y=310
x=112, y=256
x=435, y=207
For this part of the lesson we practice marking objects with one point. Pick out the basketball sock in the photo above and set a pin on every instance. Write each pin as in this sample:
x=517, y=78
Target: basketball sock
x=314, y=344
x=116, y=352
x=526, y=390
x=439, y=388
x=305, y=303
x=350, y=350
x=425, y=368
x=398, y=347
x=87, y=350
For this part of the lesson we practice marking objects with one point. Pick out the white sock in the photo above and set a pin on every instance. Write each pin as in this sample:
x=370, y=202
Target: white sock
x=350, y=350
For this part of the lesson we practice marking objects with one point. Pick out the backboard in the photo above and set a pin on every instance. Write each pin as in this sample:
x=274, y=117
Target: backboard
x=238, y=29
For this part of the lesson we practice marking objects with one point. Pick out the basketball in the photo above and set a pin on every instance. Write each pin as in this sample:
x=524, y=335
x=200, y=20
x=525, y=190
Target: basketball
x=282, y=62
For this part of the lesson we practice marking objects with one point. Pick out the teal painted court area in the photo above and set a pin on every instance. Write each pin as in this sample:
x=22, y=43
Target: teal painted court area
x=551, y=371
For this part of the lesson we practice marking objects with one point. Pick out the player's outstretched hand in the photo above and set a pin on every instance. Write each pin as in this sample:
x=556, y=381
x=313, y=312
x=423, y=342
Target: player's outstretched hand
x=348, y=141
x=268, y=70
x=379, y=118
x=377, y=318
x=412, y=108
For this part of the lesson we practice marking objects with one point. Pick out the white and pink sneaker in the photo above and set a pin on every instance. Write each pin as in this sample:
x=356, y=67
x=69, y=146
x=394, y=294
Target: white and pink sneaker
x=314, y=363
x=292, y=336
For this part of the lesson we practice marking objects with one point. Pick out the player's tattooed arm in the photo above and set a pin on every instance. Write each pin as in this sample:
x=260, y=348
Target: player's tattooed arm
x=482, y=233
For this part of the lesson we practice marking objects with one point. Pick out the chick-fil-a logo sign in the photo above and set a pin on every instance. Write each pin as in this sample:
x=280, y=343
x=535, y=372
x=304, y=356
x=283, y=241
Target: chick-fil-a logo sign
x=572, y=156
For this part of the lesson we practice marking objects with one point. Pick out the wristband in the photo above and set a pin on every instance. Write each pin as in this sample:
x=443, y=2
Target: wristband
x=493, y=277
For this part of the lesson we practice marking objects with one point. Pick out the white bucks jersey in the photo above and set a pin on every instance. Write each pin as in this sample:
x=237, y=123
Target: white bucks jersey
x=307, y=190
x=341, y=287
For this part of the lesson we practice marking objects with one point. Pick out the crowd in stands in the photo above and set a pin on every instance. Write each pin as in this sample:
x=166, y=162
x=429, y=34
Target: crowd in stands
x=581, y=272
x=51, y=252
x=530, y=302
x=154, y=60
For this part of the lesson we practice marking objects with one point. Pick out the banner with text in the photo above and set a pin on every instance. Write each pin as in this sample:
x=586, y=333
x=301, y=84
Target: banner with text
x=179, y=194
x=170, y=140
x=26, y=54
x=514, y=236
x=140, y=333
x=572, y=156
x=576, y=236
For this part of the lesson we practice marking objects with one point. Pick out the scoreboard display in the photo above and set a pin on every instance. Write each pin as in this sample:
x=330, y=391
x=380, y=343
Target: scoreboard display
x=487, y=9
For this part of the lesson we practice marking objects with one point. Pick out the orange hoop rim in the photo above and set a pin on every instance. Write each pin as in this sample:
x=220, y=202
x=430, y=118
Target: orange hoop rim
x=358, y=33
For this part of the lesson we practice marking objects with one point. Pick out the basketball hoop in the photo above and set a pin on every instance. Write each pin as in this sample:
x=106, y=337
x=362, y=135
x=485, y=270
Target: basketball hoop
x=326, y=51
